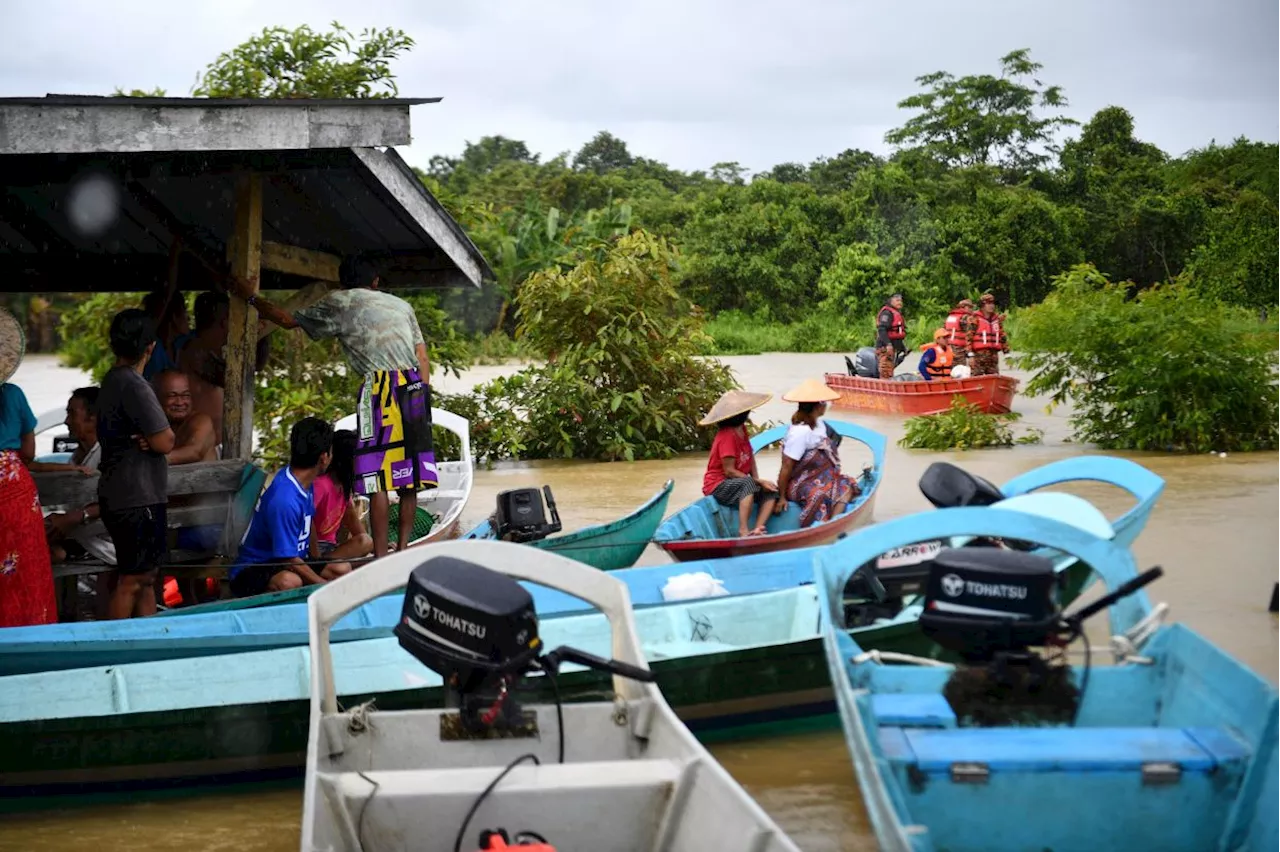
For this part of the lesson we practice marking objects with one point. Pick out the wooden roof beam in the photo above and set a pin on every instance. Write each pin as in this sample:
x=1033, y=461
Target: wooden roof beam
x=293, y=260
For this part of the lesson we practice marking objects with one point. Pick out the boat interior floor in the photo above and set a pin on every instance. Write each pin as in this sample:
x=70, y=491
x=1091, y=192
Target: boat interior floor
x=1148, y=758
x=395, y=780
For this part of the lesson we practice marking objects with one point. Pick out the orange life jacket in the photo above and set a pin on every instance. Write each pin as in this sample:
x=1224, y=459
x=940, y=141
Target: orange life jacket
x=897, y=326
x=943, y=358
x=955, y=324
x=988, y=335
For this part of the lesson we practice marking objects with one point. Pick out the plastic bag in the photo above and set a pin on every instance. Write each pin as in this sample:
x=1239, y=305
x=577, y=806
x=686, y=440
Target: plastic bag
x=683, y=587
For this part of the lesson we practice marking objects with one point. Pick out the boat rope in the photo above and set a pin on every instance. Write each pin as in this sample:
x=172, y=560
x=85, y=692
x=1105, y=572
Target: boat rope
x=877, y=656
x=1125, y=646
x=359, y=720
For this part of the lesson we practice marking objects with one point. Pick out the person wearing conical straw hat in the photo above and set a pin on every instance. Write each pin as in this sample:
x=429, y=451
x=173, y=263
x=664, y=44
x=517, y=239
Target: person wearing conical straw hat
x=810, y=474
x=938, y=357
x=732, y=478
x=26, y=576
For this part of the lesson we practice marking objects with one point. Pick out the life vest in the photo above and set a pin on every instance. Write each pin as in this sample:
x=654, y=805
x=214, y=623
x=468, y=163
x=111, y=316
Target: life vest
x=954, y=324
x=988, y=335
x=943, y=358
x=897, y=326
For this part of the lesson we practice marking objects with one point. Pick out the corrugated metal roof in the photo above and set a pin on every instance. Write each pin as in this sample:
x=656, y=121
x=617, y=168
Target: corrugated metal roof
x=121, y=100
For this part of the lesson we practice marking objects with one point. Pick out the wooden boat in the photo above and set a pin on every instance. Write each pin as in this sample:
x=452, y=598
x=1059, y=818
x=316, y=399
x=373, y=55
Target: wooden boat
x=56, y=647
x=619, y=772
x=609, y=547
x=706, y=530
x=745, y=664
x=992, y=394
x=445, y=502
x=1175, y=744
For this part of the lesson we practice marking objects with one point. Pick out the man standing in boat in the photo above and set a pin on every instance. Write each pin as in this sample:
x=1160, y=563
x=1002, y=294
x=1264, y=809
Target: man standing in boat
x=382, y=341
x=891, y=332
x=960, y=326
x=988, y=338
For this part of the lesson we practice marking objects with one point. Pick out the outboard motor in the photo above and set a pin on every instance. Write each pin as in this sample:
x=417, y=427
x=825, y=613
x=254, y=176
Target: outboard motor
x=949, y=487
x=520, y=516
x=991, y=608
x=478, y=629
x=863, y=364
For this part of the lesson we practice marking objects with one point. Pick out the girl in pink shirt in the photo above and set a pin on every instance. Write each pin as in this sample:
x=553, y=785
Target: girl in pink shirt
x=336, y=512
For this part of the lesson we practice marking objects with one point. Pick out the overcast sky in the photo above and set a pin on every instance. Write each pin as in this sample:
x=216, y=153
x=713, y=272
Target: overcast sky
x=697, y=82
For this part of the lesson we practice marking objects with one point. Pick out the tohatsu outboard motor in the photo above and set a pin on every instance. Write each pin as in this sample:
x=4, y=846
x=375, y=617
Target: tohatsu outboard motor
x=521, y=518
x=863, y=363
x=992, y=608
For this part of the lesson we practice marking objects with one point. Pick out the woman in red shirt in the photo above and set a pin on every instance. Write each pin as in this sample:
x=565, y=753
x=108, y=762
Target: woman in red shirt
x=732, y=478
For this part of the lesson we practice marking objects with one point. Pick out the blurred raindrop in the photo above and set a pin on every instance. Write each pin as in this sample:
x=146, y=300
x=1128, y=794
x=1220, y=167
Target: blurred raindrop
x=93, y=205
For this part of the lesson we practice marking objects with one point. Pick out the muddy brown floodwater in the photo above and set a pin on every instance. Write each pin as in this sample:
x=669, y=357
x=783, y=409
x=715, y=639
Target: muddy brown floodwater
x=1215, y=532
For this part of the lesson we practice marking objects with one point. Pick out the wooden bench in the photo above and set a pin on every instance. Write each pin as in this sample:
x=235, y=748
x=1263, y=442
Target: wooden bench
x=216, y=483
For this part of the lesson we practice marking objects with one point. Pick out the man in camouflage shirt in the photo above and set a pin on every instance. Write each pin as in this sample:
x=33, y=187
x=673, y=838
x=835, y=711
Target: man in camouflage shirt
x=382, y=341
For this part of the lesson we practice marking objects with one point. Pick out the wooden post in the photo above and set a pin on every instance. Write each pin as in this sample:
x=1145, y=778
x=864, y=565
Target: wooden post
x=244, y=253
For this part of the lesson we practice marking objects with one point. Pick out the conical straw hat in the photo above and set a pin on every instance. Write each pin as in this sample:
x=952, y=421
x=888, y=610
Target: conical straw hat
x=732, y=403
x=13, y=343
x=810, y=390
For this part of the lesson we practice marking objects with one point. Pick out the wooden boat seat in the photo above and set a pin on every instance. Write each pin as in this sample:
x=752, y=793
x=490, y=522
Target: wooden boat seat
x=1040, y=750
x=913, y=710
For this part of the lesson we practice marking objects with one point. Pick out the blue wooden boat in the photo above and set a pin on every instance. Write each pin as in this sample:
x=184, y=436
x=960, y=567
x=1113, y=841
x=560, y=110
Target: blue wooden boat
x=57, y=647
x=1172, y=748
x=706, y=530
x=749, y=662
x=609, y=547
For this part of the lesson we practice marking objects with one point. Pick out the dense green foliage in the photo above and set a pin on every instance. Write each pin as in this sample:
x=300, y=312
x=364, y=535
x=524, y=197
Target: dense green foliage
x=983, y=191
x=622, y=380
x=302, y=63
x=964, y=427
x=1169, y=369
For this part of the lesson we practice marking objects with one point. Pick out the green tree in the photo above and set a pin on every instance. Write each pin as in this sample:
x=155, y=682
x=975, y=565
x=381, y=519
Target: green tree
x=1167, y=370
x=983, y=119
x=302, y=63
x=604, y=153
x=623, y=380
x=1239, y=261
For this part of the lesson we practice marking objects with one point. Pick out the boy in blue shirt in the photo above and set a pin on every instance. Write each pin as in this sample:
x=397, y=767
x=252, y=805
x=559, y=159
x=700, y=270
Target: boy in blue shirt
x=275, y=547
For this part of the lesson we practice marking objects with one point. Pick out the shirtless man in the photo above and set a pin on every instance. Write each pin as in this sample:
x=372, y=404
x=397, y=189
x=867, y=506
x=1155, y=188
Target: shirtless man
x=202, y=359
x=193, y=437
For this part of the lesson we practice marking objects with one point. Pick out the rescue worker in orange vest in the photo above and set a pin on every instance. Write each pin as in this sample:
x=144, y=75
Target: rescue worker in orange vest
x=938, y=357
x=891, y=332
x=960, y=326
x=988, y=339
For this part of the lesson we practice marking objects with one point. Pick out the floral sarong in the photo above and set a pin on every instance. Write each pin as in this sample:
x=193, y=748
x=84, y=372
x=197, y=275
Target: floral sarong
x=817, y=484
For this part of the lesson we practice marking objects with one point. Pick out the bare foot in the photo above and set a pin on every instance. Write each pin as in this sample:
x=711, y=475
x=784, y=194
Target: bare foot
x=760, y=530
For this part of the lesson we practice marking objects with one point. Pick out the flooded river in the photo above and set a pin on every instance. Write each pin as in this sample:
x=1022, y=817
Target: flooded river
x=1214, y=531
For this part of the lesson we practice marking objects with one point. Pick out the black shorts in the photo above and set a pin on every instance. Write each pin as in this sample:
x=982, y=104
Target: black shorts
x=253, y=580
x=141, y=538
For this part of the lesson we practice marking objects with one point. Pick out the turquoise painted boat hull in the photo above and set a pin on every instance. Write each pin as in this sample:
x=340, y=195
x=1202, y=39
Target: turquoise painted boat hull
x=1173, y=749
x=609, y=547
x=57, y=647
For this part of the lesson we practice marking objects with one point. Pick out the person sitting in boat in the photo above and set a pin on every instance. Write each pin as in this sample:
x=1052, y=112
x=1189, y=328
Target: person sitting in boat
x=273, y=550
x=810, y=473
x=336, y=510
x=732, y=478
x=938, y=357
x=988, y=339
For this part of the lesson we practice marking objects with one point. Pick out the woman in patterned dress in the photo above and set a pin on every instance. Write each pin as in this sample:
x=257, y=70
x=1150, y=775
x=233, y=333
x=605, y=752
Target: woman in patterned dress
x=26, y=576
x=810, y=473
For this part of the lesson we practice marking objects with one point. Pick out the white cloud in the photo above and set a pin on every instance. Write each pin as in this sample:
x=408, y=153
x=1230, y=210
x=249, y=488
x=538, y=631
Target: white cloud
x=696, y=83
